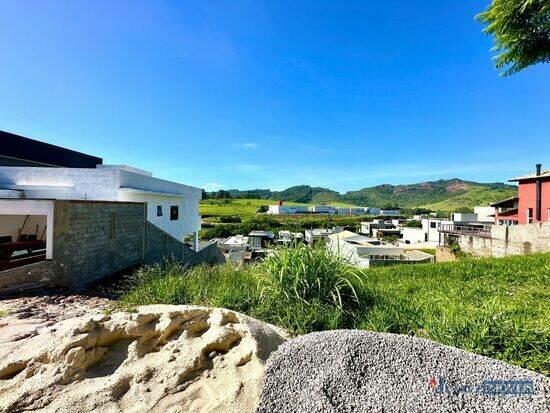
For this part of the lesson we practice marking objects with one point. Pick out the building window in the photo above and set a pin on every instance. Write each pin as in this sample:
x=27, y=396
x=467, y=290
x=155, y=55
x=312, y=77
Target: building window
x=433, y=224
x=529, y=215
x=174, y=211
x=159, y=210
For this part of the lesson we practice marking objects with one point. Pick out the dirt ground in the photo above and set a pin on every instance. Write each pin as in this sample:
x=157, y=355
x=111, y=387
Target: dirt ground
x=24, y=316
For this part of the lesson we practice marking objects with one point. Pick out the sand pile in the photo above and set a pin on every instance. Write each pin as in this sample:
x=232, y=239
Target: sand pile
x=360, y=371
x=158, y=359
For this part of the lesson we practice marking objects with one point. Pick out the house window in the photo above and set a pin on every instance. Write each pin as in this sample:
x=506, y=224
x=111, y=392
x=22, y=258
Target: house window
x=529, y=215
x=174, y=211
x=159, y=210
x=433, y=224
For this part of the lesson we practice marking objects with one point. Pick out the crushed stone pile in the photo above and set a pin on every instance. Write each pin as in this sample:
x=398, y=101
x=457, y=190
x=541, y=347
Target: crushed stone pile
x=361, y=371
x=158, y=359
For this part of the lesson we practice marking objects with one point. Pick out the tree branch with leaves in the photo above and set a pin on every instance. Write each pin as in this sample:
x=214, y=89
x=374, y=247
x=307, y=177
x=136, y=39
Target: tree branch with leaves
x=521, y=30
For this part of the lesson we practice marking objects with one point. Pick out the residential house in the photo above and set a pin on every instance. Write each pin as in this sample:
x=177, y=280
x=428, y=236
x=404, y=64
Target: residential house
x=533, y=203
x=90, y=219
x=317, y=234
x=365, y=252
x=368, y=227
x=287, y=237
x=235, y=242
x=260, y=239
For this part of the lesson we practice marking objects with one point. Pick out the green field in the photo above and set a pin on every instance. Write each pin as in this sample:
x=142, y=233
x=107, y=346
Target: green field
x=494, y=307
x=245, y=208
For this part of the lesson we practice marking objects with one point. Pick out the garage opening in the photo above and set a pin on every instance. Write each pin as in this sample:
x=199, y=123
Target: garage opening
x=22, y=240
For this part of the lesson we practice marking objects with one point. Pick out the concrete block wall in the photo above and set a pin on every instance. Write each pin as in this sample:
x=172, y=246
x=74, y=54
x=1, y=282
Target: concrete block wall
x=512, y=240
x=94, y=239
x=160, y=245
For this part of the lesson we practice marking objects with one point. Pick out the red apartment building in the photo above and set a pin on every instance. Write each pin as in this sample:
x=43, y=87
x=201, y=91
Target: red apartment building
x=532, y=204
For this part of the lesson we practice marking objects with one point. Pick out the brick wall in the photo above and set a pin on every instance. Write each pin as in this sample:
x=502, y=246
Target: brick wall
x=513, y=240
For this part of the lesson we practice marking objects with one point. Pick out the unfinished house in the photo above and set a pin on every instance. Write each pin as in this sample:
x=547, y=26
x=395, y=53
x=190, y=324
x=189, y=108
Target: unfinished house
x=67, y=219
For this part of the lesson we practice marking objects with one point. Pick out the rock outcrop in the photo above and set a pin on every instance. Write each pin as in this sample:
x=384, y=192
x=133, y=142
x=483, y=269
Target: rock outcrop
x=158, y=359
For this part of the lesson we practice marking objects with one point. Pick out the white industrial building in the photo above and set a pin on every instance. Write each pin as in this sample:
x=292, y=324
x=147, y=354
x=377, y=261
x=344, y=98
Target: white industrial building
x=389, y=212
x=287, y=209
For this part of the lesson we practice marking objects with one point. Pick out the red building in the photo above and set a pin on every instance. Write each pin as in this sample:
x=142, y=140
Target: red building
x=532, y=204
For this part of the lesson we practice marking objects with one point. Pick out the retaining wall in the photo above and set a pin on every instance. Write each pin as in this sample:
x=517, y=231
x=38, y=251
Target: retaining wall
x=512, y=240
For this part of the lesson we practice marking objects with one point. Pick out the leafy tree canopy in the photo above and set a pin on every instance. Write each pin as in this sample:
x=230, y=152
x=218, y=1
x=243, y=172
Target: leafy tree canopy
x=521, y=30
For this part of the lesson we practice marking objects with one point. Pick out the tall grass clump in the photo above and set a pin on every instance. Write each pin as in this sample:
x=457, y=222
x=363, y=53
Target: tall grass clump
x=300, y=288
x=307, y=288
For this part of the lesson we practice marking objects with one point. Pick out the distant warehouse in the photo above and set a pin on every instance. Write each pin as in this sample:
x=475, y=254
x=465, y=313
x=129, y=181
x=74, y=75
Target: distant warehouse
x=282, y=209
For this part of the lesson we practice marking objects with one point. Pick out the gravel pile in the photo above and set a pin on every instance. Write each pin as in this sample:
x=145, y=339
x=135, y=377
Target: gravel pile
x=361, y=371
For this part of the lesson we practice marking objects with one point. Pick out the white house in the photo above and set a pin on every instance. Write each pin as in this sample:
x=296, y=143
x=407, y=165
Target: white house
x=431, y=227
x=412, y=235
x=485, y=214
x=365, y=252
x=171, y=206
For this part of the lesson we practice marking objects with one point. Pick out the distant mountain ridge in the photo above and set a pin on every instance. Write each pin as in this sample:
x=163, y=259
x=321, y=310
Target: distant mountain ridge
x=443, y=194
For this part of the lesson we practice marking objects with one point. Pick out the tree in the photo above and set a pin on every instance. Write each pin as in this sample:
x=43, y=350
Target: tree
x=521, y=30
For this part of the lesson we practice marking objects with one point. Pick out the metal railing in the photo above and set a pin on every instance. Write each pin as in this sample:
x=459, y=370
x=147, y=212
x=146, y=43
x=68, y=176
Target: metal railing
x=483, y=232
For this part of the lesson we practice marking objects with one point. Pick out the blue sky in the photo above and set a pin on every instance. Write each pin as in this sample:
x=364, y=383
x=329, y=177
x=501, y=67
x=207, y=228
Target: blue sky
x=247, y=94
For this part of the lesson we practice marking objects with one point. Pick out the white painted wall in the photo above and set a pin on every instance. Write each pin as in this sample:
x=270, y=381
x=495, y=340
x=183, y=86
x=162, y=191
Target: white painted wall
x=18, y=207
x=463, y=217
x=431, y=227
x=483, y=214
x=110, y=183
x=412, y=235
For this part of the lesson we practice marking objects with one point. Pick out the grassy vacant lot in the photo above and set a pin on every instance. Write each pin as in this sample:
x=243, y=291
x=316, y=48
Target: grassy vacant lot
x=494, y=307
x=245, y=208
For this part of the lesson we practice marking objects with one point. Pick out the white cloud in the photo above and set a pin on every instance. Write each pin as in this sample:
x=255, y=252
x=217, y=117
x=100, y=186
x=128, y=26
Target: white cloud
x=212, y=186
x=251, y=145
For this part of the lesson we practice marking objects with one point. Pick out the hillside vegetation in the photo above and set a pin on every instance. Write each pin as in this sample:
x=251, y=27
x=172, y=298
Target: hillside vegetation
x=433, y=195
x=474, y=197
x=493, y=307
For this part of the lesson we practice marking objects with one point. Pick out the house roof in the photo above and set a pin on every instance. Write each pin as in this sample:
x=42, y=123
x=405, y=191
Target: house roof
x=543, y=174
x=508, y=213
x=416, y=255
x=257, y=233
x=505, y=201
x=20, y=151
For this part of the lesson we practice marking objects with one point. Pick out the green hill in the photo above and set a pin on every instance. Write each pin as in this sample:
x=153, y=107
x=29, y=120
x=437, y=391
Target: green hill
x=442, y=195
